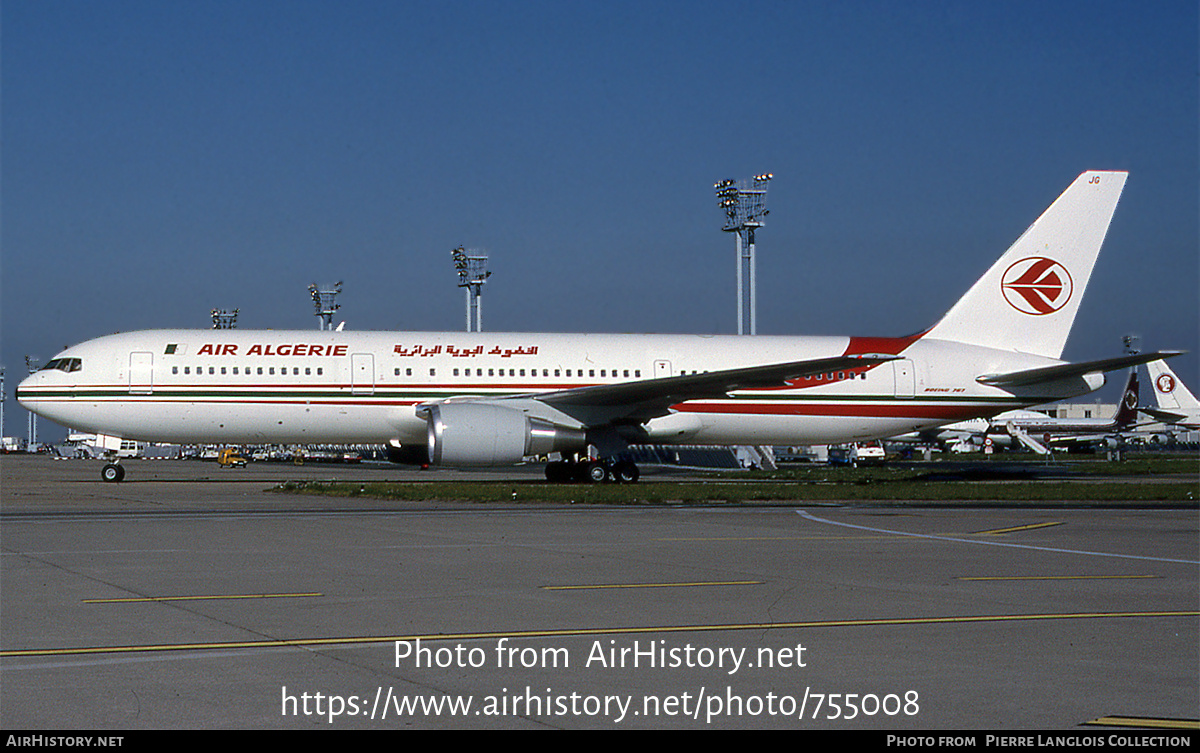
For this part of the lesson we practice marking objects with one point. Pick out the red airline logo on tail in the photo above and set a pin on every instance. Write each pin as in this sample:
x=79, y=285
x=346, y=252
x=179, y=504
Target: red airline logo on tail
x=1036, y=286
x=1165, y=383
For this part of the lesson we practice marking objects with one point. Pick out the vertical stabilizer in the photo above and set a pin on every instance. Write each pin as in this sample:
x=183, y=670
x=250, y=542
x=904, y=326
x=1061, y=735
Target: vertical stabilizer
x=1127, y=411
x=1028, y=300
x=1171, y=393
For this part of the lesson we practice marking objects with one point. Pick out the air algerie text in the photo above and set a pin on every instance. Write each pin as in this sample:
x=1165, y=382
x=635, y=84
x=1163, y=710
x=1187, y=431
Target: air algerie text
x=271, y=349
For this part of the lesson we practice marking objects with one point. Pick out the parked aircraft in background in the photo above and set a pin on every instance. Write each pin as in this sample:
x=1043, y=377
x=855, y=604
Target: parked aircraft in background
x=1176, y=404
x=1041, y=433
x=492, y=399
x=1034, y=429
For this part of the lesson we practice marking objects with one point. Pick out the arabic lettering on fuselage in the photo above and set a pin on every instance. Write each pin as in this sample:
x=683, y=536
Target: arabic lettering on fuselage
x=450, y=350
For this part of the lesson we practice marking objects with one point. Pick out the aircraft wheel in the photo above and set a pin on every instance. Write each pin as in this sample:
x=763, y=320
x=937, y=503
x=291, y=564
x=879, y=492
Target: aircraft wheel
x=113, y=472
x=593, y=472
x=626, y=472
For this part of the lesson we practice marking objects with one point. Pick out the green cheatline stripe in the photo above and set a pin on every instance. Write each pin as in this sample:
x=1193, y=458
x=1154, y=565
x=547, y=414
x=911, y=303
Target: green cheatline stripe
x=576, y=632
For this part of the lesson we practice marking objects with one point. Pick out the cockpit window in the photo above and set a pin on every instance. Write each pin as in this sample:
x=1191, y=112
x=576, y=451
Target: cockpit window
x=64, y=364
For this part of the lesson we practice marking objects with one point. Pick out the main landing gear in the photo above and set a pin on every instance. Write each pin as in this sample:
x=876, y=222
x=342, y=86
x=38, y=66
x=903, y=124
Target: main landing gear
x=592, y=471
x=112, y=472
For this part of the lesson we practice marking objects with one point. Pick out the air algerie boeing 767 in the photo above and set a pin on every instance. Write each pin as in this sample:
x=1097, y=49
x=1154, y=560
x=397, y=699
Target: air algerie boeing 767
x=463, y=399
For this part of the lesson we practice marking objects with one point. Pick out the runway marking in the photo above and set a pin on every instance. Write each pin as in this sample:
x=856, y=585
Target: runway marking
x=657, y=585
x=1030, y=527
x=1056, y=577
x=577, y=632
x=775, y=538
x=214, y=597
x=1145, y=722
x=809, y=516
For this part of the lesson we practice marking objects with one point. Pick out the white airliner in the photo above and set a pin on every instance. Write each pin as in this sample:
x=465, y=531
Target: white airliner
x=1176, y=404
x=463, y=399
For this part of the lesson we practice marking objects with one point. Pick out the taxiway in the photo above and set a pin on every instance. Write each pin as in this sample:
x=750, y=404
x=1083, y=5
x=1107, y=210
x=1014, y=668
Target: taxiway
x=186, y=599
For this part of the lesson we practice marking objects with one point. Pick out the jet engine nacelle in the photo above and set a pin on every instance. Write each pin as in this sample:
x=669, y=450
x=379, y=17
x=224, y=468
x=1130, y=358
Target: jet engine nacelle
x=486, y=434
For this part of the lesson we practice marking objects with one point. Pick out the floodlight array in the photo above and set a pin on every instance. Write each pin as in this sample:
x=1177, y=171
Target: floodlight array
x=324, y=303
x=223, y=319
x=744, y=202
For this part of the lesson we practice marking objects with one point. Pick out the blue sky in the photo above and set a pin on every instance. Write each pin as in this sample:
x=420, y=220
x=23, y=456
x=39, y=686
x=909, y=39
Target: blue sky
x=161, y=159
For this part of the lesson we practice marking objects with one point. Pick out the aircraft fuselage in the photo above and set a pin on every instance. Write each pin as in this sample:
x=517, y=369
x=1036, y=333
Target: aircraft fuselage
x=243, y=386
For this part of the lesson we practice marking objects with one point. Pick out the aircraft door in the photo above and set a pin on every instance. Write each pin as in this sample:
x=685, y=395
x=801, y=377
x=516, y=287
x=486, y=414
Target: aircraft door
x=362, y=374
x=906, y=382
x=141, y=373
x=662, y=368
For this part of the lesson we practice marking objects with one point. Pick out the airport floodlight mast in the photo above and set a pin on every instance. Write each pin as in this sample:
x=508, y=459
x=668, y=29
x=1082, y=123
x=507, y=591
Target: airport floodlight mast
x=745, y=204
x=323, y=300
x=32, y=365
x=472, y=273
x=223, y=319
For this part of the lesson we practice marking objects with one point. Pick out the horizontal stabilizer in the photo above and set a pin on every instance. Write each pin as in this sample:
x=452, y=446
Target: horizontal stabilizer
x=1163, y=416
x=1067, y=370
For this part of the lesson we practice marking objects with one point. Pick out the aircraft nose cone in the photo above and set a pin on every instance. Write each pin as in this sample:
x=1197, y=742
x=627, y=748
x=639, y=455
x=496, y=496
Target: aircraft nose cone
x=23, y=392
x=24, y=398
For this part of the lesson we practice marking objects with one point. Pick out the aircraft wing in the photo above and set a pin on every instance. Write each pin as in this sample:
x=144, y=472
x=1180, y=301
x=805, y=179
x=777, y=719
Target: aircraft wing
x=1063, y=371
x=635, y=402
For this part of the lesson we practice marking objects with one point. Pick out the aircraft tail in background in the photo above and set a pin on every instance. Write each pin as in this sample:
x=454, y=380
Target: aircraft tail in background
x=1176, y=403
x=1127, y=411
